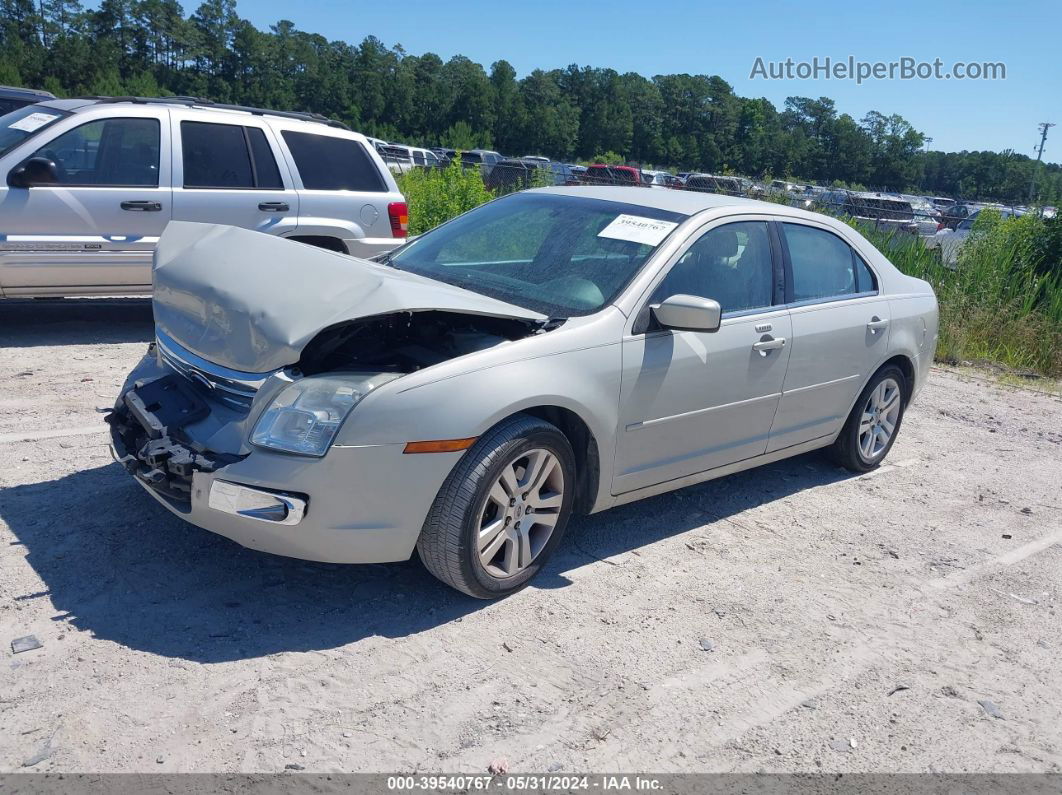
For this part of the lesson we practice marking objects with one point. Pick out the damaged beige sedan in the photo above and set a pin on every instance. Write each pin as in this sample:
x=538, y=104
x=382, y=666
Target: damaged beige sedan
x=556, y=351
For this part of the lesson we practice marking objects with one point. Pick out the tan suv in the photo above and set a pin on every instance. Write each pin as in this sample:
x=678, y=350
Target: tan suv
x=90, y=184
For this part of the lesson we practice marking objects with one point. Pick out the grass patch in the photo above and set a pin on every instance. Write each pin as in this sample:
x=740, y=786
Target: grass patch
x=435, y=195
x=1002, y=302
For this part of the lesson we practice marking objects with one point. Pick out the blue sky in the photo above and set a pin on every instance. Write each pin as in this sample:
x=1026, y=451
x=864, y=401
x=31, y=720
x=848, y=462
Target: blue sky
x=725, y=38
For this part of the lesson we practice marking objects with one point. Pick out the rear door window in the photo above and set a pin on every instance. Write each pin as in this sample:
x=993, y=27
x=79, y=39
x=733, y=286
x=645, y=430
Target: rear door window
x=326, y=162
x=823, y=265
x=215, y=156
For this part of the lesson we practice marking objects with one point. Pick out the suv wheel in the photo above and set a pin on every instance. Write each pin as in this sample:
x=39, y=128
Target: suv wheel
x=502, y=511
x=870, y=430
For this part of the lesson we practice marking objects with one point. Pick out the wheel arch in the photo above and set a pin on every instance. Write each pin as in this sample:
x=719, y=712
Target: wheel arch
x=907, y=367
x=327, y=242
x=584, y=445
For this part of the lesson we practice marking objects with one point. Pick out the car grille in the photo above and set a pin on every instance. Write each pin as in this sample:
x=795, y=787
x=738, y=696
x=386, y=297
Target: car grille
x=234, y=388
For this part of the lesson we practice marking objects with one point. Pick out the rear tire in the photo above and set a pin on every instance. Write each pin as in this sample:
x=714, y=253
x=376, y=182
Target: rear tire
x=502, y=510
x=874, y=423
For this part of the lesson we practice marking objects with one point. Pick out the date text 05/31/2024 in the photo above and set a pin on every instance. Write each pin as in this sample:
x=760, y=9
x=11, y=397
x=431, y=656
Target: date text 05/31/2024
x=518, y=783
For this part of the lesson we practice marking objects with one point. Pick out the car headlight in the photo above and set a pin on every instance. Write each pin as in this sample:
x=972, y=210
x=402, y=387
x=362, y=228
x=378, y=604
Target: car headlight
x=306, y=416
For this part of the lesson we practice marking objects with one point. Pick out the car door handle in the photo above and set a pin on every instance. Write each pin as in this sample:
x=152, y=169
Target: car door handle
x=763, y=347
x=142, y=206
x=876, y=324
x=274, y=207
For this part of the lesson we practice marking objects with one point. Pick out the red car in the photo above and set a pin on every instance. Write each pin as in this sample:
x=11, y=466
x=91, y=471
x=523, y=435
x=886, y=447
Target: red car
x=601, y=174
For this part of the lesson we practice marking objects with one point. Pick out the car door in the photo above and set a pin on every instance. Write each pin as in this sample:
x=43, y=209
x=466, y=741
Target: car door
x=94, y=228
x=840, y=332
x=230, y=174
x=692, y=401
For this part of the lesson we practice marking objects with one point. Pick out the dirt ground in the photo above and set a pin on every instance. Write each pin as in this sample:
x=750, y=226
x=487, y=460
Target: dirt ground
x=791, y=618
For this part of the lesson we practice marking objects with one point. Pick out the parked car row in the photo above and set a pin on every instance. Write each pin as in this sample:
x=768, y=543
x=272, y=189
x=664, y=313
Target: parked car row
x=91, y=183
x=924, y=216
x=917, y=215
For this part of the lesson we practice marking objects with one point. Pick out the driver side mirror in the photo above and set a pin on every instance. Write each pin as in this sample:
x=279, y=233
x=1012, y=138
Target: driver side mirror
x=688, y=313
x=35, y=171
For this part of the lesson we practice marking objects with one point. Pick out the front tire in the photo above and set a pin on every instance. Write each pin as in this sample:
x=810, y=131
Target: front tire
x=871, y=429
x=502, y=510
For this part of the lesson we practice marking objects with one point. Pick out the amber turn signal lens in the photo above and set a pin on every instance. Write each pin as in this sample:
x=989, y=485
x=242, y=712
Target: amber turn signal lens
x=440, y=445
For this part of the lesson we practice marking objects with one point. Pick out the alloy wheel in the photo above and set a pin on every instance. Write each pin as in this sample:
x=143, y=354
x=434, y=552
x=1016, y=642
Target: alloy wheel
x=880, y=416
x=520, y=512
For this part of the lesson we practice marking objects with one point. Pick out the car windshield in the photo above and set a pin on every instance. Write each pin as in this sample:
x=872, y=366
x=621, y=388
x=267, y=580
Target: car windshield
x=18, y=125
x=560, y=255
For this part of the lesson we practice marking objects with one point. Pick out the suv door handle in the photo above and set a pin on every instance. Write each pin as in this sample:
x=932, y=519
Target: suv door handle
x=142, y=206
x=765, y=346
x=876, y=324
x=274, y=207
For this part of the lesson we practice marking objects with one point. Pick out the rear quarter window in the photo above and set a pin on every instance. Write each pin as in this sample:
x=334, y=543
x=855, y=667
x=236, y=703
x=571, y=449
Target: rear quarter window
x=326, y=162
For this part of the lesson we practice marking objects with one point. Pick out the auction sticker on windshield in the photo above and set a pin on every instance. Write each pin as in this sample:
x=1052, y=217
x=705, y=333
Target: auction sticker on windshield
x=637, y=229
x=32, y=122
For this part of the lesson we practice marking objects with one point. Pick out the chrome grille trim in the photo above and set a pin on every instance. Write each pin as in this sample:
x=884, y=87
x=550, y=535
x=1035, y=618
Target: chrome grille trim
x=234, y=388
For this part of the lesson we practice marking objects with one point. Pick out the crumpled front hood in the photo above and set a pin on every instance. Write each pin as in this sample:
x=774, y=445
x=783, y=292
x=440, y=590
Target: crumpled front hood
x=251, y=301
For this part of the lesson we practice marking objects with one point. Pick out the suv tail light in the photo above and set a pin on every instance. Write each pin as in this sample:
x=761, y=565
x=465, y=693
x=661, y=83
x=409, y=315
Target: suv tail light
x=398, y=215
x=939, y=226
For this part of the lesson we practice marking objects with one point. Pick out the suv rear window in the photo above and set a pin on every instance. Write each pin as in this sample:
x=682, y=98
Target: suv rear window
x=329, y=163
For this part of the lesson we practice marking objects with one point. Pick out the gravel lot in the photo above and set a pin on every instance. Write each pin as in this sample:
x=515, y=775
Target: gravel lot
x=905, y=620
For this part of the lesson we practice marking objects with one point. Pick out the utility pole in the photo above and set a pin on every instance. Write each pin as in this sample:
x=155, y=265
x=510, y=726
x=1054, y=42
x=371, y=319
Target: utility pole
x=1044, y=127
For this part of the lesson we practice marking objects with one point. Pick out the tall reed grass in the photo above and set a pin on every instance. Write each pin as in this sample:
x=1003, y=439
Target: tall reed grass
x=1001, y=302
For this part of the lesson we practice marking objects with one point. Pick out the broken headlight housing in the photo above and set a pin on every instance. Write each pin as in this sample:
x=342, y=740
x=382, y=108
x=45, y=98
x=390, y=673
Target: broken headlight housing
x=305, y=417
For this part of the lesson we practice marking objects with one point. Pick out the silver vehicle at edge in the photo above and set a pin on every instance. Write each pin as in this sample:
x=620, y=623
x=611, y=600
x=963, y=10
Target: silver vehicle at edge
x=556, y=351
x=89, y=185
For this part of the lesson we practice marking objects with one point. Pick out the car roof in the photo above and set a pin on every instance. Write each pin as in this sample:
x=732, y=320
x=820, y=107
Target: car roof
x=678, y=201
x=192, y=103
x=66, y=104
x=14, y=92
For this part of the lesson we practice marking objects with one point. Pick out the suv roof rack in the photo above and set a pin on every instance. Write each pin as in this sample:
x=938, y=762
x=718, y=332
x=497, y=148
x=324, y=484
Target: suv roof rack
x=206, y=103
